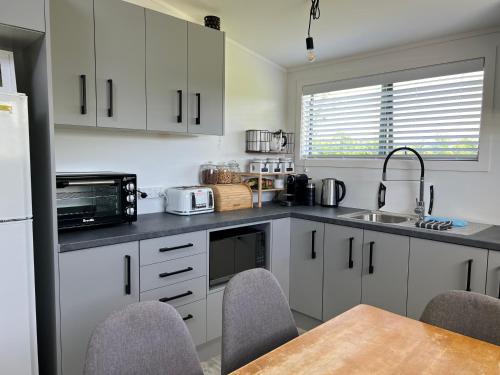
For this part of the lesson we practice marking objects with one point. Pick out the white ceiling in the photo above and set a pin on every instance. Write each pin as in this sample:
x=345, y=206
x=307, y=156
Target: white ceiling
x=276, y=29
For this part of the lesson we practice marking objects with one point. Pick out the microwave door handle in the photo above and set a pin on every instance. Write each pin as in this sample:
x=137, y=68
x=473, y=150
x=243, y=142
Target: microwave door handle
x=85, y=183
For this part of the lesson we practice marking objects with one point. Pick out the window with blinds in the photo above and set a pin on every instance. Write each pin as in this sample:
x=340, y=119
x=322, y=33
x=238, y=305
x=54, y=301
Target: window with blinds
x=438, y=114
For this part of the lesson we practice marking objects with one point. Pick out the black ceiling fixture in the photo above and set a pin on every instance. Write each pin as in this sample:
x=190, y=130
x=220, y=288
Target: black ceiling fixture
x=314, y=14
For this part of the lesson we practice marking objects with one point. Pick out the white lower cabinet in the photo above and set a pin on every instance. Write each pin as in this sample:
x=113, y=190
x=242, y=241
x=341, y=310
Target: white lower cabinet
x=306, y=267
x=342, y=269
x=385, y=271
x=93, y=284
x=280, y=254
x=436, y=267
x=214, y=315
x=493, y=276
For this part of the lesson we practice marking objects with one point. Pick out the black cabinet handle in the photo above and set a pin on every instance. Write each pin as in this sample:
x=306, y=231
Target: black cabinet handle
x=499, y=290
x=167, y=274
x=127, y=271
x=370, y=267
x=469, y=271
x=110, y=93
x=83, y=108
x=187, y=317
x=351, y=263
x=198, y=99
x=313, y=240
x=164, y=249
x=431, y=199
x=179, y=116
x=167, y=299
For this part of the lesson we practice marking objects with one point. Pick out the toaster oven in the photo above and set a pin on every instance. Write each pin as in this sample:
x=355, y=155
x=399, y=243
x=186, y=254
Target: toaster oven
x=95, y=199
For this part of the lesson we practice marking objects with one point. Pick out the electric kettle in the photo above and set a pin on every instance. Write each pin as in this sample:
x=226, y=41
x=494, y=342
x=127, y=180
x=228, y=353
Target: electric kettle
x=332, y=192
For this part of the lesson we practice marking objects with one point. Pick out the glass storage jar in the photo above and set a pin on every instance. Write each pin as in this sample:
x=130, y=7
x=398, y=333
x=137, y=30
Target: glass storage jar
x=287, y=165
x=234, y=167
x=224, y=174
x=208, y=174
x=258, y=166
x=274, y=165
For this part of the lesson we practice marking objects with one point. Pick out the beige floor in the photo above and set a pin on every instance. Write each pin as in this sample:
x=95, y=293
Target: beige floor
x=212, y=366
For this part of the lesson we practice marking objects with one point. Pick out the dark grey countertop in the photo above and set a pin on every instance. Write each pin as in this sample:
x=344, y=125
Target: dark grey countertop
x=163, y=224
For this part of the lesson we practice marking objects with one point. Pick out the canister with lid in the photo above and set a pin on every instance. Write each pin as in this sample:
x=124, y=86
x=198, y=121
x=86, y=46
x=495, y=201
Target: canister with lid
x=274, y=165
x=287, y=165
x=259, y=166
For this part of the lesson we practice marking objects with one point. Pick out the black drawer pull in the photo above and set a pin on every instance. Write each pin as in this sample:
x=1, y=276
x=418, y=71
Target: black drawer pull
x=164, y=249
x=469, y=271
x=498, y=290
x=370, y=267
x=110, y=93
x=167, y=299
x=198, y=118
x=351, y=263
x=313, y=240
x=179, y=116
x=189, y=316
x=83, y=108
x=167, y=274
x=127, y=277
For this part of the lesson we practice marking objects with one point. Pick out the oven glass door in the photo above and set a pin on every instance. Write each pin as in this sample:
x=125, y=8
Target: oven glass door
x=88, y=202
x=238, y=252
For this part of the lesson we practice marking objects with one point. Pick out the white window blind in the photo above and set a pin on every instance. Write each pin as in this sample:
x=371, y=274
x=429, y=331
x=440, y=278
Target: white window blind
x=437, y=114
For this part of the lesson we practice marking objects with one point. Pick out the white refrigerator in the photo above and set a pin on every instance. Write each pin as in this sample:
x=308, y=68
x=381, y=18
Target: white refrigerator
x=18, y=346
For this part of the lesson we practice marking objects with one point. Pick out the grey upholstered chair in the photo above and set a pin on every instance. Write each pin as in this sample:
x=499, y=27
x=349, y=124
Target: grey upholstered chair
x=256, y=318
x=471, y=314
x=147, y=338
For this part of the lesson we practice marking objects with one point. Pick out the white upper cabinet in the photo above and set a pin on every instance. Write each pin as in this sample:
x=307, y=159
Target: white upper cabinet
x=28, y=14
x=205, y=80
x=120, y=46
x=166, y=72
x=118, y=65
x=73, y=62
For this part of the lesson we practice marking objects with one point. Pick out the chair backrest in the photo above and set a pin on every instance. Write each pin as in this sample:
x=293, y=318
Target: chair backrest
x=147, y=338
x=256, y=318
x=471, y=314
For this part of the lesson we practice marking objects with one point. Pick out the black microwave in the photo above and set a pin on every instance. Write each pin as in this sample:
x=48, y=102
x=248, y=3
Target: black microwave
x=235, y=250
x=95, y=199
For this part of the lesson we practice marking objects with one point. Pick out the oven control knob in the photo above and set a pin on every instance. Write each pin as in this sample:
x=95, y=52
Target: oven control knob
x=130, y=198
x=130, y=186
x=130, y=211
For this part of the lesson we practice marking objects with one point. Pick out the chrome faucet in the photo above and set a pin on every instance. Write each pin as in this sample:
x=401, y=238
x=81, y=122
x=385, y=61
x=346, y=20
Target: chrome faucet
x=420, y=208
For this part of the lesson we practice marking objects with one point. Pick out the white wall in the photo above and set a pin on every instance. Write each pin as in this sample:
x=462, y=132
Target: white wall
x=255, y=99
x=473, y=194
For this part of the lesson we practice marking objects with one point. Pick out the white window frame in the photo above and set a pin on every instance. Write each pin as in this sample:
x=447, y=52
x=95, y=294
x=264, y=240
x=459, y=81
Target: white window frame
x=404, y=59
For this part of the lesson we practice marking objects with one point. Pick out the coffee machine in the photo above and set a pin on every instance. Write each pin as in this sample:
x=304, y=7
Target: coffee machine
x=296, y=190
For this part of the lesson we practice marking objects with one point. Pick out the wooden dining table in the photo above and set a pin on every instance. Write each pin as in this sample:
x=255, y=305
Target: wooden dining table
x=369, y=340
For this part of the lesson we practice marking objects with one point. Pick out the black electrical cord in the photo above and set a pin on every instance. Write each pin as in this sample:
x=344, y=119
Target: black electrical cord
x=314, y=14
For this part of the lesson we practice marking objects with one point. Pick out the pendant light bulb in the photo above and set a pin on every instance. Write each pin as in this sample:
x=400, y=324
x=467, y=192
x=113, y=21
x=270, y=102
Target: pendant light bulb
x=311, y=55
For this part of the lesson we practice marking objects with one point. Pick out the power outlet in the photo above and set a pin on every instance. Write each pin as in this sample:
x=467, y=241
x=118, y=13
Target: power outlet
x=153, y=192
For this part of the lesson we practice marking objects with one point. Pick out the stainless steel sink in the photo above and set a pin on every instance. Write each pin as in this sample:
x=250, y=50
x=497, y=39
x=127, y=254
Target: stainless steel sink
x=409, y=220
x=382, y=217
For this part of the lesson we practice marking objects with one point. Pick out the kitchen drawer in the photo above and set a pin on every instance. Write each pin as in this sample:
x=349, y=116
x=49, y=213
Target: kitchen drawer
x=180, y=293
x=174, y=271
x=195, y=317
x=172, y=247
